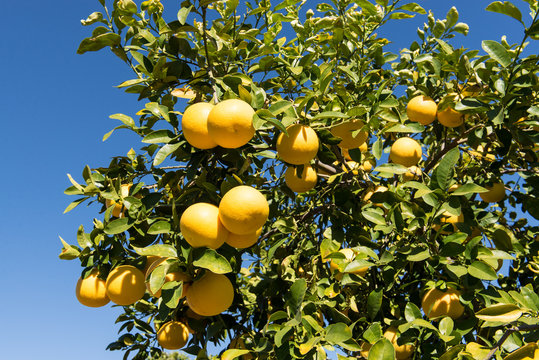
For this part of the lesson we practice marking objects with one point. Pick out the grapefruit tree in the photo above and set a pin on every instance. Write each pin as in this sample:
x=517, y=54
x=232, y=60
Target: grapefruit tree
x=252, y=117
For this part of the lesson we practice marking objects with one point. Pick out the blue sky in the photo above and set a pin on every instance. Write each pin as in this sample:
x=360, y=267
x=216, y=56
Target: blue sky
x=55, y=107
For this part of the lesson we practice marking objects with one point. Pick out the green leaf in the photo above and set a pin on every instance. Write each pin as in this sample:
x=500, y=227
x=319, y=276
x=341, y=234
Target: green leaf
x=367, y=6
x=74, y=204
x=158, y=136
x=164, y=152
x=171, y=293
x=127, y=120
x=92, y=19
x=338, y=333
x=505, y=313
x=413, y=7
x=453, y=352
x=382, y=350
x=233, y=354
x=445, y=169
x=391, y=168
x=159, y=227
x=452, y=17
x=99, y=42
x=160, y=250
x=408, y=128
x=279, y=107
x=331, y=115
x=497, y=51
x=374, y=217
x=401, y=15
x=446, y=326
x=469, y=188
x=412, y=312
x=482, y=271
x=374, y=302
x=118, y=226
x=506, y=8
x=183, y=13
x=211, y=260
x=296, y=295
x=374, y=332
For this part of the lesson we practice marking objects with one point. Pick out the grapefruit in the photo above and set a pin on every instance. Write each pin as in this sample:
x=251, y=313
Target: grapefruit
x=243, y=210
x=195, y=125
x=421, y=109
x=300, y=146
x=125, y=285
x=210, y=295
x=230, y=123
x=405, y=151
x=201, y=226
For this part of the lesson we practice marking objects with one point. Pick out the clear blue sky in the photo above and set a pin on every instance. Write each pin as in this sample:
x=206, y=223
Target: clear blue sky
x=55, y=107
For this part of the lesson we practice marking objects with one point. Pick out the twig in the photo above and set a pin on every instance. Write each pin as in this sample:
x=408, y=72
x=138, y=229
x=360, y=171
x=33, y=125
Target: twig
x=508, y=332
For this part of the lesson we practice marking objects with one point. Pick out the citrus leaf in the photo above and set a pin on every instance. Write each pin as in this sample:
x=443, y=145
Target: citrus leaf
x=211, y=260
x=374, y=303
x=158, y=136
x=306, y=347
x=480, y=270
x=296, y=295
x=506, y=8
x=156, y=250
x=444, y=171
x=164, y=152
x=497, y=51
x=469, y=189
x=391, y=169
x=118, y=226
x=382, y=350
x=505, y=313
x=171, y=293
x=160, y=227
x=233, y=354
x=338, y=333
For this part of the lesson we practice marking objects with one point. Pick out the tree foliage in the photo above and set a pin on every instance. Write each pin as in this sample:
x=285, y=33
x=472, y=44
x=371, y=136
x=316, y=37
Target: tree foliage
x=322, y=67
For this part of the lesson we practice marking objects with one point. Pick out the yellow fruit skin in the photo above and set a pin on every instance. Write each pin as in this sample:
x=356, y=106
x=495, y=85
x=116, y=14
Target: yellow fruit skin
x=480, y=153
x=243, y=241
x=402, y=352
x=300, y=146
x=243, y=210
x=125, y=285
x=450, y=118
x=173, y=335
x=345, y=131
x=368, y=165
x=448, y=218
x=436, y=303
x=210, y=295
x=495, y=193
x=306, y=182
x=421, y=109
x=238, y=343
x=195, y=125
x=230, y=123
x=92, y=291
x=201, y=226
x=405, y=151
x=413, y=173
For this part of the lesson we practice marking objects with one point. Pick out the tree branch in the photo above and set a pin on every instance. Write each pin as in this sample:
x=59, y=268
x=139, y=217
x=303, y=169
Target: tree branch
x=508, y=332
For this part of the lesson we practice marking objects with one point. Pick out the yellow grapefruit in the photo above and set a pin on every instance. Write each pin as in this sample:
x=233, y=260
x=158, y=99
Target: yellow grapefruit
x=368, y=165
x=230, y=123
x=413, y=173
x=436, y=303
x=195, y=125
x=346, y=132
x=405, y=151
x=449, y=117
x=300, y=146
x=350, y=255
x=448, y=218
x=421, y=109
x=302, y=183
x=210, y=295
x=243, y=241
x=243, y=210
x=173, y=335
x=201, y=226
x=495, y=193
x=402, y=352
x=125, y=285
x=91, y=291
x=173, y=276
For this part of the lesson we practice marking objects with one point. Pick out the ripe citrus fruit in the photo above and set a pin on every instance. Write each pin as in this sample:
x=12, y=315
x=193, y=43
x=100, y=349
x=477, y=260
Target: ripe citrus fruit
x=172, y=276
x=119, y=209
x=173, y=335
x=402, y=352
x=413, y=173
x=449, y=117
x=350, y=255
x=436, y=303
x=448, y=218
x=495, y=193
x=405, y=151
x=243, y=210
x=346, y=132
x=302, y=183
x=230, y=123
x=243, y=241
x=210, y=295
x=125, y=285
x=300, y=146
x=195, y=125
x=201, y=226
x=92, y=291
x=368, y=165
x=150, y=259
x=421, y=109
